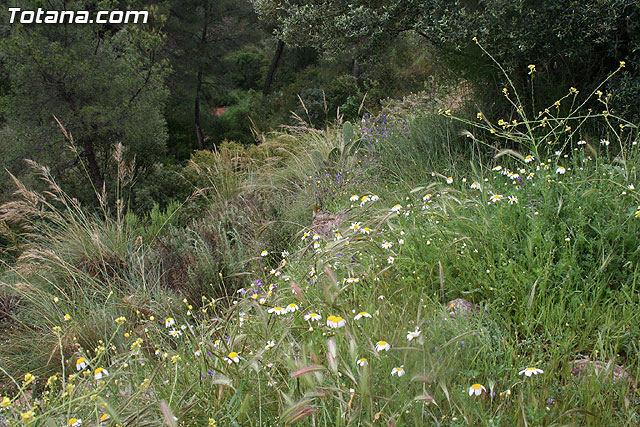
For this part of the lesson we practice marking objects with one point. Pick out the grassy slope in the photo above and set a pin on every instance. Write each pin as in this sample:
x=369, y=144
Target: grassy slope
x=552, y=269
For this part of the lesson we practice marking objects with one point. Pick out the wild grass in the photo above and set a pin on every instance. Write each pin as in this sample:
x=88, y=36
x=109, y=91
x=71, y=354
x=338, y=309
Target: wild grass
x=535, y=225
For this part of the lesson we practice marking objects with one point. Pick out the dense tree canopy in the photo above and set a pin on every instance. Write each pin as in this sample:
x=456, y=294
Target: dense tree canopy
x=203, y=71
x=203, y=38
x=105, y=84
x=572, y=42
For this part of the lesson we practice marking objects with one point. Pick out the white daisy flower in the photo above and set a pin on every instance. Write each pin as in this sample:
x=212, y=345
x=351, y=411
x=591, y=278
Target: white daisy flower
x=233, y=357
x=476, y=389
x=335, y=322
x=270, y=344
x=291, y=308
x=361, y=315
x=396, y=208
x=264, y=253
x=450, y=180
x=362, y=362
x=176, y=333
x=397, y=371
x=277, y=310
x=561, y=170
x=354, y=198
x=513, y=200
x=413, y=334
x=81, y=363
x=313, y=316
x=531, y=371
x=169, y=322
x=530, y=158
x=386, y=245
x=100, y=373
x=382, y=345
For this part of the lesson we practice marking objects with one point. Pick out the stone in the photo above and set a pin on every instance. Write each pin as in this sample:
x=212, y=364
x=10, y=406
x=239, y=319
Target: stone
x=587, y=367
x=324, y=223
x=462, y=306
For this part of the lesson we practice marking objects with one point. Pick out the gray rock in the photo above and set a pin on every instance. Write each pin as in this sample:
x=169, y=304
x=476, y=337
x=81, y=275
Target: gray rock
x=462, y=306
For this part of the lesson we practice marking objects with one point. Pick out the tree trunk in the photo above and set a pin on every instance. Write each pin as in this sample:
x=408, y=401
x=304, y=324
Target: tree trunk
x=203, y=41
x=92, y=162
x=355, y=70
x=273, y=67
x=197, y=111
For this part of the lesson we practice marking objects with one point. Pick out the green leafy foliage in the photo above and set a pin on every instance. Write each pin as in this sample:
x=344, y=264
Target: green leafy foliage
x=106, y=86
x=420, y=265
x=573, y=43
x=542, y=250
